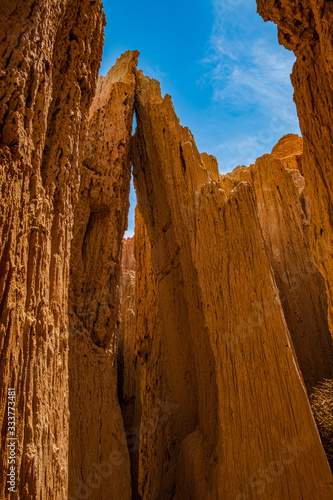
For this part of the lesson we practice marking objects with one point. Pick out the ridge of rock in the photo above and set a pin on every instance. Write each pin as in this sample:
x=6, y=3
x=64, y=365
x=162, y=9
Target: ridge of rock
x=226, y=362
x=50, y=56
x=95, y=298
x=171, y=365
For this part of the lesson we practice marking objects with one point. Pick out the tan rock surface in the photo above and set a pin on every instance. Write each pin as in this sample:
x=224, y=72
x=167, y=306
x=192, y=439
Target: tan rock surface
x=127, y=360
x=179, y=366
x=283, y=212
x=168, y=393
x=210, y=163
x=128, y=258
x=128, y=367
x=289, y=150
x=306, y=28
x=231, y=359
x=97, y=428
x=50, y=55
x=128, y=378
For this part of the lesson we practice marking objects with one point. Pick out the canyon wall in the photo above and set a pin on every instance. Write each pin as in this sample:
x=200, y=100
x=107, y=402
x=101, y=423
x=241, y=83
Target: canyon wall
x=168, y=391
x=128, y=257
x=128, y=366
x=180, y=372
x=220, y=351
x=306, y=29
x=50, y=57
x=99, y=460
x=284, y=215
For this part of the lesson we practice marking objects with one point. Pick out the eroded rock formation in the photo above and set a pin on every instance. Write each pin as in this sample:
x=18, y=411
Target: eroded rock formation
x=100, y=222
x=178, y=373
x=129, y=368
x=221, y=341
x=128, y=257
x=284, y=214
x=50, y=56
x=306, y=29
x=289, y=150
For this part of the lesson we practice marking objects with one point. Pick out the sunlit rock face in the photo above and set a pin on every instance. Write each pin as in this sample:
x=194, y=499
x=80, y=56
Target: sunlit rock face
x=306, y=29
x=284, y=214
x=289, y=150
x=50, y=56
x=172, y=365
x=128, y=257
x=96, y=424
x=211, y=329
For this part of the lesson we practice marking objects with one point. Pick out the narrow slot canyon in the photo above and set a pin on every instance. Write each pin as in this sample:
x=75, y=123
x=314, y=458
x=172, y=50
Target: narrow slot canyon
x=178, y=300
x=180, y=358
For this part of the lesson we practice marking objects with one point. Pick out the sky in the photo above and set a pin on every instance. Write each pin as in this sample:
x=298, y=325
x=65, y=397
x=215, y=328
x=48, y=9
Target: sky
x=228, y=77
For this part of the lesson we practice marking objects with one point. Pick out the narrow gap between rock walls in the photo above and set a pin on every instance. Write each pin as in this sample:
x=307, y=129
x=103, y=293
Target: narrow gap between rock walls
x=128, y=388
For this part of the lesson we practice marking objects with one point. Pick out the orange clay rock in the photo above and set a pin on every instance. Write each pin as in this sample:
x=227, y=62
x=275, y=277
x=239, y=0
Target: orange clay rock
x=307, y=29
x=219, y=357
x=128, y=379
x=288, y=146
x=128, y=258
x=289, y=150
x=50, y=56
x=167, y=377
x=128, y=366
x=283, y=212
x=97, y=432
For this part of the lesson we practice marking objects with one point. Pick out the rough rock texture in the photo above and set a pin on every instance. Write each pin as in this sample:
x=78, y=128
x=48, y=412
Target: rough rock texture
x=128, y=378
x=210, y=163
x=289, y=150
x=167, y=388
x=128, y=258
x=97, y=435
x=322, y=407
x=213, y=404
x=50, y=55
x=307, y=29
x=283, y=212
x=128, y=366
x=220, y=350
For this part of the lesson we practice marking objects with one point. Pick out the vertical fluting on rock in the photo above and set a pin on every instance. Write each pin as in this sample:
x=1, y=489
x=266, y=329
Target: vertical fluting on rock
x=128, y=367
x=210, y=389
x=307, y=29
x=167, y=387
x=50, y=55
x=284, y=218
x=128, y=256
x=97, y=433
x=166, y=348
x=225, y=316
x=284, y=212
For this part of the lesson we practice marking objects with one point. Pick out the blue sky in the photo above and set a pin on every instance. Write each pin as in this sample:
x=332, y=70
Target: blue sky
x=222, y=65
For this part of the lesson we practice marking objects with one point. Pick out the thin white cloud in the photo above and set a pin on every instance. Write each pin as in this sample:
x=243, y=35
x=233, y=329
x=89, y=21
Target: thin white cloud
x=249, y=74
x=246, y=68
